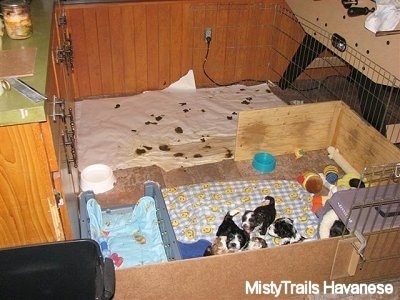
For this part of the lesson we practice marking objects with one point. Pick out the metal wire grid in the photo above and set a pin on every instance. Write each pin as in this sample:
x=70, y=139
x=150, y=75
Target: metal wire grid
x=381, y=194
x=317, y=71
x=375, y=212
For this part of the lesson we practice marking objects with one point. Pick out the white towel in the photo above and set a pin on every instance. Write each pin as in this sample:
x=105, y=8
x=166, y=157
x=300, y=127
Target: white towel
x=385, y=17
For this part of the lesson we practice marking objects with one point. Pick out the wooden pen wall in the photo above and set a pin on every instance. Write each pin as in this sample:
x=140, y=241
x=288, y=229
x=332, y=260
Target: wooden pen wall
x=130, y=47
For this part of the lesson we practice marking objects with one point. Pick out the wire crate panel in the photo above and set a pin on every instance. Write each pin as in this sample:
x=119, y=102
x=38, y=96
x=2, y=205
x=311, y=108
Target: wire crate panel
x=319, y=65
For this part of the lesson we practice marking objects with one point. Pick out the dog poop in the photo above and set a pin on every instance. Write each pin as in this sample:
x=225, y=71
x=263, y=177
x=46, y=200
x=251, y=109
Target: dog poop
x=139, y=238
x=164, y=148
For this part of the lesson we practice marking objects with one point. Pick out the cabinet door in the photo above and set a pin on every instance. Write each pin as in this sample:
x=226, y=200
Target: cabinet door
x=60, y=108
x=28, y=210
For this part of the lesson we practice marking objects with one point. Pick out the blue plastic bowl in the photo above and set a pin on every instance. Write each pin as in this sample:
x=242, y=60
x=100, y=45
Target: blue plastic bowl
x=264, y=162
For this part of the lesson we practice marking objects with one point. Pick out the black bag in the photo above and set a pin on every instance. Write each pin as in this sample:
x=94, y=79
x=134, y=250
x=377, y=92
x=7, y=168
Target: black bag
x=61, y=270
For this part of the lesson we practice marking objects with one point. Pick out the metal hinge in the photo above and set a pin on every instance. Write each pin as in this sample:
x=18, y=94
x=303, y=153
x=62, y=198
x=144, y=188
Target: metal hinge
x=59, y=199
x=62, y=20
x=65, y=54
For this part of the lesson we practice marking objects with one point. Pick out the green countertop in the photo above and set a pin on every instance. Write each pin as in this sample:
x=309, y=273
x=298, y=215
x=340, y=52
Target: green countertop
x=14, y=107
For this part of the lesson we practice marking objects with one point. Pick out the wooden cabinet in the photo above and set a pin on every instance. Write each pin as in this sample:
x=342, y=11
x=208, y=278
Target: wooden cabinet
x=38, y=180
x=29, y=211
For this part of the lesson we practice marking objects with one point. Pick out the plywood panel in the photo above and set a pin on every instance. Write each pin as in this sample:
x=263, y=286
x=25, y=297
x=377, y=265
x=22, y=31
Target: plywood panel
x=361, y=143
x=282, y=130
x=312, y=262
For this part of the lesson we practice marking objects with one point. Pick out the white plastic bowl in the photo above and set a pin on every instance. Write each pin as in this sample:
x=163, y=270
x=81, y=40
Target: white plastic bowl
x=98, y=178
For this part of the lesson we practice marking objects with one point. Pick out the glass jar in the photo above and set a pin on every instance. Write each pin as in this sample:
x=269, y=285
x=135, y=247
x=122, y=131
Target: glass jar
x=17, y=18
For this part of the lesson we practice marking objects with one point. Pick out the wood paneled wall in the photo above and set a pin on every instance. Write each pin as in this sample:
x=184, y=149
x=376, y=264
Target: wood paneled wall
x=130, y=47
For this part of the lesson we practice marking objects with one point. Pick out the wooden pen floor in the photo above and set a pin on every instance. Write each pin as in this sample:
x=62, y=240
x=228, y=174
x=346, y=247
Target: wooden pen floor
x=130, y=182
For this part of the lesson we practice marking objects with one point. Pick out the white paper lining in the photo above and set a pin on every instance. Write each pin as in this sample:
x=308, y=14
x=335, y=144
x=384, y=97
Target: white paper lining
x=191, y=126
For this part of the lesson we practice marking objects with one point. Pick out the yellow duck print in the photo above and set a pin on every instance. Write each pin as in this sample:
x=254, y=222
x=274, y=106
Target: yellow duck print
x=205, y=186
x=229, y=190
x=229, y=202
x=293, y=195
x=277, y=185
x=172, y=206
x=175, y=223
x=217, y=196
x=184, y=214
x=194, y=221
x=303, y=218
x=196, y=204
x=278, y=200
x=245, y=199
x=171, y=190
x=288, y=210
x=190, y=234
x=182, y=198
x=248, y=189
x=210, y=219
x=310, y=231
x=215, y=208
x=265, y=191
x=207, y=230
x=276, y=240
x=200, y=196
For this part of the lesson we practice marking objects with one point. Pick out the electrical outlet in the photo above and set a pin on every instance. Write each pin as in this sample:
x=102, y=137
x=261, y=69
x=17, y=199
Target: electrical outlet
x=208, y=34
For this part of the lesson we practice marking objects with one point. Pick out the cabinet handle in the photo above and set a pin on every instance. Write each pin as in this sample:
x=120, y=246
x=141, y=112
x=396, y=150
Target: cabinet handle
x=61, y=113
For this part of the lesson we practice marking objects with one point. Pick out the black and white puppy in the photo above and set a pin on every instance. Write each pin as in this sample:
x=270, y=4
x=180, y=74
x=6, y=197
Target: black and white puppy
x=338, y=229
x=284, y=229
x=260, y=218
x=230, y=238
x=236, y=238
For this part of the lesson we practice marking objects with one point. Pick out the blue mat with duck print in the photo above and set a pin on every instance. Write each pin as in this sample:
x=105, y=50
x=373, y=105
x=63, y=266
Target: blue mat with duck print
x=197, y=210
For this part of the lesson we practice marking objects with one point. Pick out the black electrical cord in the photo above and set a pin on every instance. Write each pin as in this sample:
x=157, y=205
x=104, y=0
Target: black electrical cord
x=208, y=40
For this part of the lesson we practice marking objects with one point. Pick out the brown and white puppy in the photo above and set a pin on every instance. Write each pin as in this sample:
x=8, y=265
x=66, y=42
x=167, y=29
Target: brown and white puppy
x=218, y=247
x=260, y=218
x=256, y=243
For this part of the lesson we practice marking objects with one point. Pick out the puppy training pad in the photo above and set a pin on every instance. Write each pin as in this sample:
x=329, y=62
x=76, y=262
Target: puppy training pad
x=172, y=128
x=197, y=210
